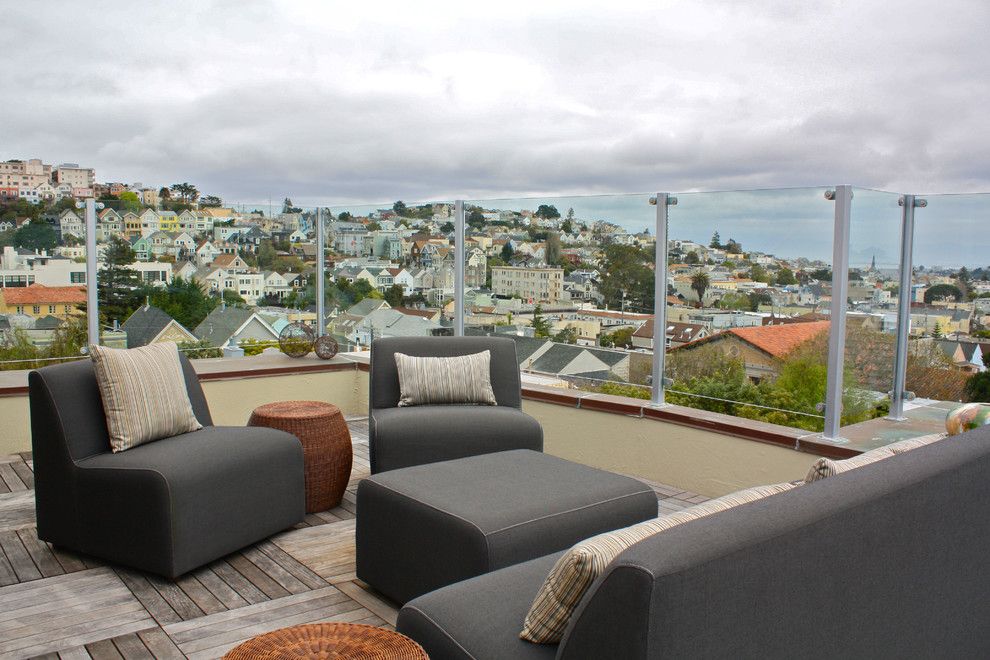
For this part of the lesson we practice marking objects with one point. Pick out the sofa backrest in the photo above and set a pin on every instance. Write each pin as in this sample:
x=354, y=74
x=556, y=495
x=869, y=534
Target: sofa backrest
x=67, y=411
x=887, y=560
x=384, y=380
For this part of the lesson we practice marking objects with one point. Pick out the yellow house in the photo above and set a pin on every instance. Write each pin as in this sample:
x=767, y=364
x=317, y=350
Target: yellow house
x=38, y=301
x=168, y=222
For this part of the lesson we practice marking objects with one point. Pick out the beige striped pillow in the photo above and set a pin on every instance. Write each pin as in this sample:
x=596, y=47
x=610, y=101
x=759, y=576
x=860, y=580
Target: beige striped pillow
x=826, y=467
x=437, y=380
x=574, y=572
x=144, y=394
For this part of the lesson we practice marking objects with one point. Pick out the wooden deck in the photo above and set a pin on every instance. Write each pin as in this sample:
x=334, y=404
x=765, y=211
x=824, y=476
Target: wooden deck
x=56, y=604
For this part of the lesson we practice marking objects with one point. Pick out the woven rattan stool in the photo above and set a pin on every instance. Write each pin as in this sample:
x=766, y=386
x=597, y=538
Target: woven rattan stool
x=326, y=442
x=330, y=640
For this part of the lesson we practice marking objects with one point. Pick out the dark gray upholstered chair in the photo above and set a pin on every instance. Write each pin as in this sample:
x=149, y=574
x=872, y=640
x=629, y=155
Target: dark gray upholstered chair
x=401, y=437
x=167, y=506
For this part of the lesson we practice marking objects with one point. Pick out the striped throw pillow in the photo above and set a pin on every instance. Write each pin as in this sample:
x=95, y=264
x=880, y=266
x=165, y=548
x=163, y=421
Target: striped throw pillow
x=577, y=569
x=144, y=394
x=438, y=380
x=826, y=467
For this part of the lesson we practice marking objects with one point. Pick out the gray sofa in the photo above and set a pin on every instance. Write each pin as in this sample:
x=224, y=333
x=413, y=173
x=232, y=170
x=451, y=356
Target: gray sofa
x=890, y=560
x=167, y=506
x=401, y=437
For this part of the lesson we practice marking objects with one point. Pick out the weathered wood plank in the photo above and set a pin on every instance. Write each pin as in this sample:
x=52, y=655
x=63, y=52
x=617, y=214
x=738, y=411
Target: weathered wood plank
x=10, y=477
x=176, y=598
x=200, y=595
x=18, y=557
x=160, y=645
x=77, y=653
x=285, y=579
x=361, y=593
x=16, y=510
x=40, y=553
x=69, y=561
x=222, y=591
x=304, y=574
x=238, y=582
x=103, y=650
x=152, y=601
x=131, y=647
x=257, y=577
x=7, y=574
x=24, y=473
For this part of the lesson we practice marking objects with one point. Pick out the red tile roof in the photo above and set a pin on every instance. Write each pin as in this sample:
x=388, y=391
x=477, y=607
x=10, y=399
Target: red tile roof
x=39, y=294
x=408, y=311
x=775, y=340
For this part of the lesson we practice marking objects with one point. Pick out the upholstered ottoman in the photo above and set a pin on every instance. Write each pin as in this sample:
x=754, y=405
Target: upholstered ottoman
x=424, y=527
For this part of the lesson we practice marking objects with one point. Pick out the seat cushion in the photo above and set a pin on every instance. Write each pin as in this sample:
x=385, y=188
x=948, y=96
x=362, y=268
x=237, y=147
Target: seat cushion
x=200, y=495
x=427, y=526
x=402, y=437
x=449, y=623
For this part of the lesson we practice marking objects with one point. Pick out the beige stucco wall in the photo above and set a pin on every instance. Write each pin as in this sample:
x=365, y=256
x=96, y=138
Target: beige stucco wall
x=695, y=460
x=699, y=461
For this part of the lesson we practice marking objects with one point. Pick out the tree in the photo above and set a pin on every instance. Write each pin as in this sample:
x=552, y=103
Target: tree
x=821, y=274
x=36, y=235
x=735, y=300
x=476, y=219
x=732, y=247
x=541, y=326
x=759, y=274
x=977, y=387
x=757, y=298
x=210, y=201
x=119, y=288
x=287, y=206
x=130, y=202
x=937, y=332
x=393, y=295
x=547, y=212
x=399, y=208
x=785, y=276
x=625, y=268
x=373, y=226
x=567, y=335
x=447, y=228
x=700, y=283
x=233, y=299
x=621, y=338
x=186, y=191
x=266, y=255
x=692, y=258
x=567, y=226
x=716, y=242
x=507, y=252
x=943, y=291
x=345, y=216
x=186, y=301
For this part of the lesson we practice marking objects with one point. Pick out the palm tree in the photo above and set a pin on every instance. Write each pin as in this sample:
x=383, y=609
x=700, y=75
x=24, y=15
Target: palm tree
x=699, y=283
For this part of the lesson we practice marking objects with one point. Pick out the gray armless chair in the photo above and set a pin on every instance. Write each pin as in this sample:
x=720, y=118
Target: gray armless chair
x=413, y=435
x=167, y=506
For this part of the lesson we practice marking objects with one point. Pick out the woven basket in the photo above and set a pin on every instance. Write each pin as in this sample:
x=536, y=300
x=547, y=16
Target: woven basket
x=330, y=640
x=326, y=443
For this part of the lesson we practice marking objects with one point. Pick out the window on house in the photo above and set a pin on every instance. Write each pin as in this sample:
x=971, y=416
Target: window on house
x=36, y=309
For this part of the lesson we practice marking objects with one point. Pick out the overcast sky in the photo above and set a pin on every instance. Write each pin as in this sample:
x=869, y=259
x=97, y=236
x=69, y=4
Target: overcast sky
x=330, y=102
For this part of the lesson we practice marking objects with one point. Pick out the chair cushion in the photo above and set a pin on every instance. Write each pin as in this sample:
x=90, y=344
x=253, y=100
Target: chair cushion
x=440, y=380
x=144, y=394
x=826, y=467
x=574, y=572
x=913, y=443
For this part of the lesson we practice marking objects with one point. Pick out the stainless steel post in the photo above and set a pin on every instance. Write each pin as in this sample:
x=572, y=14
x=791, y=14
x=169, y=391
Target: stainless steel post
x=662, y=201
x=459, y=268
x=92, y=299
x=842, y=195
x=897, y=394
x=321, y=267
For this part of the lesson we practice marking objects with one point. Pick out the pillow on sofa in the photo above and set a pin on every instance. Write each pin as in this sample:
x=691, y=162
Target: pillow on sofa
x=438, y=380
x=144, y=394
x=575, y=571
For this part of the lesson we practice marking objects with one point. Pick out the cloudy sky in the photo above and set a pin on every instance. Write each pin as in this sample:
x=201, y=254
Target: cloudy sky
x=331, y=102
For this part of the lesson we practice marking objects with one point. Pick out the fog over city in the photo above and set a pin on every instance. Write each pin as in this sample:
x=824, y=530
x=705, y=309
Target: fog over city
x=334, y=103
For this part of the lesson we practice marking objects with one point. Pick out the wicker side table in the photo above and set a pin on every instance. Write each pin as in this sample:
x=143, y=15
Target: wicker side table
x=326, y=443
x=330, y=640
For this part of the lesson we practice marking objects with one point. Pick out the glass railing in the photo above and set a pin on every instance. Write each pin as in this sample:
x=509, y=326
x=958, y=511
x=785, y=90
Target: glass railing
x=747, y=328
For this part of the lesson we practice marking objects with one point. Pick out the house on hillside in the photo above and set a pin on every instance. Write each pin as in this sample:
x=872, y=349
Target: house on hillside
x=761, y=348
x=677, y=334
x=240, y=324
x=150, y=325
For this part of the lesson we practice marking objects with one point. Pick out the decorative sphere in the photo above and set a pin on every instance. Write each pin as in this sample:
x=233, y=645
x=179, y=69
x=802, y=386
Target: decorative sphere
x=296, y=339
x=967, y=417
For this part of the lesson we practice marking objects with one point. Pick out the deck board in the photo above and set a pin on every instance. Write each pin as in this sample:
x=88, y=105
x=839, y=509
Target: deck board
x=58, y=604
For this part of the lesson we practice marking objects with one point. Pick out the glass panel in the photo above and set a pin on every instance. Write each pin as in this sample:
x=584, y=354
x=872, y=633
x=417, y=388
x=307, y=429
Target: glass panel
x=747, y=324
x=949, y=310
x=871, y=320
x=42, y=283
x=390, y=271
x=571, y=280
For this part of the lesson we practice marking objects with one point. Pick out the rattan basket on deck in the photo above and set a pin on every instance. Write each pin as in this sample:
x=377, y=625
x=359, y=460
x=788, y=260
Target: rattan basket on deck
x=330, y=640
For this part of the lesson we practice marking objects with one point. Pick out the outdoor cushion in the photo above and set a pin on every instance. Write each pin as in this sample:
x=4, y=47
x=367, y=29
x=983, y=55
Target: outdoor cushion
x=425, y=434
x=144, y=394
x=577, y=569
x=826, y=467
x=913, y=443
x=427, y=526
x=439, y=380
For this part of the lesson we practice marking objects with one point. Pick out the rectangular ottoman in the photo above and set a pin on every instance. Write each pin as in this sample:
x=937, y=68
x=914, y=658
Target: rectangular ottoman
x=424, y=527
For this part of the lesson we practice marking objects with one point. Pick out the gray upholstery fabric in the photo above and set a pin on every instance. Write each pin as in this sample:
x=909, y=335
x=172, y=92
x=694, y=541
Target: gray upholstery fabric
x=167, y=506
x=401, y=437
x=885, y=561
x=426, y=434
x=480, y=618
x=427, y=526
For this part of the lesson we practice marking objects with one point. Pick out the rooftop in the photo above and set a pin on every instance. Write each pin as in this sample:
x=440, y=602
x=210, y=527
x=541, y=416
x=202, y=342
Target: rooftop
x=60, y=604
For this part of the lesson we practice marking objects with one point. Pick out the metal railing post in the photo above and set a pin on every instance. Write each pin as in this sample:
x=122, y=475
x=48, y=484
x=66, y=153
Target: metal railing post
x=459, y=268
x=662, y=201
x=842, y=195
x=92, y=294
x=897, y=394
x=321, y=267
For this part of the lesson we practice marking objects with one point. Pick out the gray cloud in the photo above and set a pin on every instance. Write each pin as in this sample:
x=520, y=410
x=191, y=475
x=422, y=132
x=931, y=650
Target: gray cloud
x=323, y=102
